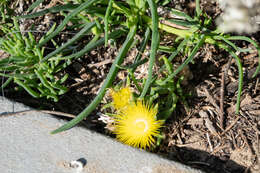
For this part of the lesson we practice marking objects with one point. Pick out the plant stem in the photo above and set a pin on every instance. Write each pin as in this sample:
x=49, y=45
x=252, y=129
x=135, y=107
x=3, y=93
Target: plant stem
x=180, y=32
x=154, y=46
x=198, y=11
x=110, y=77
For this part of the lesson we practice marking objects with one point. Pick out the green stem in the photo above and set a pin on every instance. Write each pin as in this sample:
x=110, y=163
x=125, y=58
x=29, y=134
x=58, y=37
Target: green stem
x=154, y=46
x=187, y=61
x=86, y=28
x=6, y=82
x=240, y=84
x=198, y=11
x=121, y=9
x=180, y=32
x=240, y=71
x=106, y=20
x=110, y=77
x=148, y=21
x=252, y=42
x=66, y=20
x=27, y=88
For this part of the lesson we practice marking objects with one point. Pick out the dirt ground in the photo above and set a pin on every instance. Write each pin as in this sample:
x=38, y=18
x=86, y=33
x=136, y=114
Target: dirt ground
x=208, y=135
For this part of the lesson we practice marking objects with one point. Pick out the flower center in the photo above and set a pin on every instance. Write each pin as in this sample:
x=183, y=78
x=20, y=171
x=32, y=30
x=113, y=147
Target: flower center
x=141, y=125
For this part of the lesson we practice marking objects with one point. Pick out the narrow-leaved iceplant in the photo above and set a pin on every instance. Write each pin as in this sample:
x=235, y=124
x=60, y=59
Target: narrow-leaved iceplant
x=108, y=20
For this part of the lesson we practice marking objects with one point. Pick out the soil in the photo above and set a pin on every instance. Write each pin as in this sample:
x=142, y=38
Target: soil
x=208, y=135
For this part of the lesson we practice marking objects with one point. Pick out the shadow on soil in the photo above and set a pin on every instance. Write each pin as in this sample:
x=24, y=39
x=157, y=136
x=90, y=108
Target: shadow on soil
x=205, y=161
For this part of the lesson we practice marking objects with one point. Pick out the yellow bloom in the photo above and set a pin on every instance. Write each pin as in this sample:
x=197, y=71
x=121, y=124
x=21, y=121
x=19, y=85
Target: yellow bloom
x=121, y=98
x=136, y=125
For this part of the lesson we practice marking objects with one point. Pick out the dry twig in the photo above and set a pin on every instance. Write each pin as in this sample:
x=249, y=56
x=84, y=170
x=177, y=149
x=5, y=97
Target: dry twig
x=222, y=92
x=57, y=113
x=210, y=145
x=230, y=126
x=221, y=102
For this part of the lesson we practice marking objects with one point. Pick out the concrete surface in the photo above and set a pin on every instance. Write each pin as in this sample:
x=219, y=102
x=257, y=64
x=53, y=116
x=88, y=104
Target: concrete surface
x=26, y=146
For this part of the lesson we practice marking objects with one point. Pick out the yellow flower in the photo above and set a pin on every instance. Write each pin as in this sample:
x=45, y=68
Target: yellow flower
x=121, y=98
x=137, y=125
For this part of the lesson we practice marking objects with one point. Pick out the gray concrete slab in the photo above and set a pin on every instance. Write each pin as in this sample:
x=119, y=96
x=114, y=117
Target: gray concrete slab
x=26, y=146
